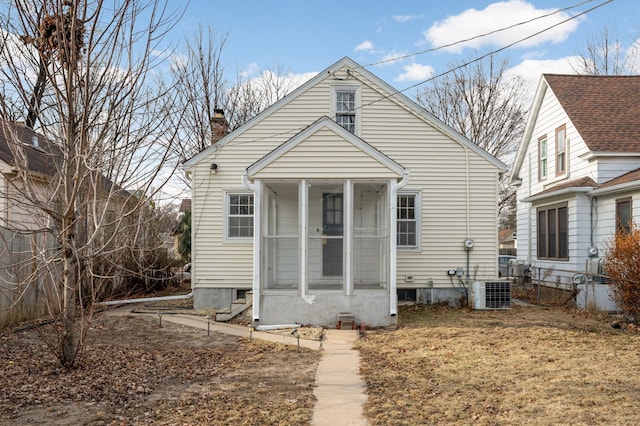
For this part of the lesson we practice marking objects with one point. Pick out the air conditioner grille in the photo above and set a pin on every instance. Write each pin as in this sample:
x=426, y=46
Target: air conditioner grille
x=497, y=295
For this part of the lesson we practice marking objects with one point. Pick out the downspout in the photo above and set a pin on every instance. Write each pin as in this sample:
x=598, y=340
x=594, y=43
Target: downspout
x=393, y=236
x=529, y=213
x=257, y=231
x=146, y=299
x=466, y=159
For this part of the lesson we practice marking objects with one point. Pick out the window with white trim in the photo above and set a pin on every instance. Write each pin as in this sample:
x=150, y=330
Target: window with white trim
x=553, y=232
x=239, y=216
x=345, y=103
x=561, y=150
x=407, y=221
x=542, y=158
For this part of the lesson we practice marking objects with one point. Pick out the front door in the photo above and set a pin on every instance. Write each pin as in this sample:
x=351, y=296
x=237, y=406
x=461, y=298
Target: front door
x=332, y=230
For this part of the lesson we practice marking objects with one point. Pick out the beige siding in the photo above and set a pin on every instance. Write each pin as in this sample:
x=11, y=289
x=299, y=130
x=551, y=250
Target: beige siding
x=438, y=170
x=325, y=155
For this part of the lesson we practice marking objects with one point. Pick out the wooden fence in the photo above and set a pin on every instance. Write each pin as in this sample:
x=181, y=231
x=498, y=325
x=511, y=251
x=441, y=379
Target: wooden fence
x=26, y=276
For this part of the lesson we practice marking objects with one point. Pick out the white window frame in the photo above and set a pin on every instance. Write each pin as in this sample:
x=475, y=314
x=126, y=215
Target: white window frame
x=561, y=153
x=358, y=103
x=227, y=202
x=417, y=210
x=543, y=159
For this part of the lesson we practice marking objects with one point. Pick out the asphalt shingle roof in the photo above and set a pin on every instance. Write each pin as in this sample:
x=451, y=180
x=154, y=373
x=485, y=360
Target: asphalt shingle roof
x=604, y=109
x=40, y=159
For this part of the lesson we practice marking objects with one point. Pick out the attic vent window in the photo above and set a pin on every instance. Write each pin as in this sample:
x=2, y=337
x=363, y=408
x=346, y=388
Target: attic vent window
x=346, y=109
x=34, y=142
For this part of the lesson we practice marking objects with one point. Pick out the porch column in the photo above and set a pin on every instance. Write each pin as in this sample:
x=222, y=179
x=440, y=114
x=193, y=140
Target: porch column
x=347, y=236
x=303, y=197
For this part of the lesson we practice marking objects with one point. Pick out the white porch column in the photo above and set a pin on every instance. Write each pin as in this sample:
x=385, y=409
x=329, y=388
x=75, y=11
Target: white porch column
x=347, y=236
x=256, y=187
x=393, y=235
x=303, y=206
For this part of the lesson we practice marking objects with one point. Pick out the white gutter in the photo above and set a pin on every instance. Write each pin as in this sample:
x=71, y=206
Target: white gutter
x=147, y=299
x=565, y=191
x=257, y=231
x=616, y=188
x=393, y=236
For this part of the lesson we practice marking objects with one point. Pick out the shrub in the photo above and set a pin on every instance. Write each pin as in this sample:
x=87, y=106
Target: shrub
x=622, y=266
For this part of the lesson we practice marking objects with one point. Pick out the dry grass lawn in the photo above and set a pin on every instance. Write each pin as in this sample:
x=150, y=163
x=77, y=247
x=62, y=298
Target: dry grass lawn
x=527, y=365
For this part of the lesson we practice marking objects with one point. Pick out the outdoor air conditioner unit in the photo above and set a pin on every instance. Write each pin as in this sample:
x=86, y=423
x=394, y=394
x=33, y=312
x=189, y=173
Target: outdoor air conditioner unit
x=492, y=295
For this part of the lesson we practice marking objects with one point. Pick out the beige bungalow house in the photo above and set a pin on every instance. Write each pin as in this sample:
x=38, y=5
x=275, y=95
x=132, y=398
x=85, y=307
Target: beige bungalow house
x=335, y=199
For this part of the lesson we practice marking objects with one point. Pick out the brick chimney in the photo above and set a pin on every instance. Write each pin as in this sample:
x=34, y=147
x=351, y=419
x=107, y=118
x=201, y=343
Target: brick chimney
x=219, y=125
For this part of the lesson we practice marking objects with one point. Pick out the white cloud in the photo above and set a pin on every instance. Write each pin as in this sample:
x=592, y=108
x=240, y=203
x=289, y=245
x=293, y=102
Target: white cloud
x=531, y=70
x=392, y=57
x=473, y=22
x=365, y=45
x=405, y=18
x=415, y=72
x=250, y=70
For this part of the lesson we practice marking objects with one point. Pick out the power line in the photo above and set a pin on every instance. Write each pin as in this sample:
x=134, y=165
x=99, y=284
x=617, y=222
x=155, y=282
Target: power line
x=295, y=131
x=444, y=46
x=493, y=52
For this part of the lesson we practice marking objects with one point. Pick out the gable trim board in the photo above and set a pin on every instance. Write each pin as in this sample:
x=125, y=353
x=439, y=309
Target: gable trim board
x=291, y=157
x=395, y=170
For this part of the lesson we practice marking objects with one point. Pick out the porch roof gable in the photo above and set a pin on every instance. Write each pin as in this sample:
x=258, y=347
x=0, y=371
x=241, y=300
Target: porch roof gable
x=324, y=148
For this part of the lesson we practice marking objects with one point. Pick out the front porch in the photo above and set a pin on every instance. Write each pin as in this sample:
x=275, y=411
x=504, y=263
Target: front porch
x=324, y=248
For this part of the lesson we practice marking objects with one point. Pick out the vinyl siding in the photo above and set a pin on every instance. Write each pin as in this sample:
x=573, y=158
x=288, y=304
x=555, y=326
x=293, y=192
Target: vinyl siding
x=325, y=155
x=438, y=171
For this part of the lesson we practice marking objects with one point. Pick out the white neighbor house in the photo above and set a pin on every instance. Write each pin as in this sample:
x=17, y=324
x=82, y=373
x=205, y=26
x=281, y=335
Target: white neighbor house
x=334, y=198
x=577, y=172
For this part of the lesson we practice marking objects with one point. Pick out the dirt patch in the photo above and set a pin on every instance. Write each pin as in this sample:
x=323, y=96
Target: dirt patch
x=135, y=372
x=521, y=366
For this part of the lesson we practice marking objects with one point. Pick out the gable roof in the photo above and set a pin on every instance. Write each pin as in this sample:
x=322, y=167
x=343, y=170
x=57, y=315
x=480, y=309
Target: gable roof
x=40, y=156
x=604, y=109
x=341, y=132
x=356, y=70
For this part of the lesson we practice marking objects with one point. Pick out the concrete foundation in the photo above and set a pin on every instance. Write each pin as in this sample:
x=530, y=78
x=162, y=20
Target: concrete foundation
x=595, y=296
x=212, y=298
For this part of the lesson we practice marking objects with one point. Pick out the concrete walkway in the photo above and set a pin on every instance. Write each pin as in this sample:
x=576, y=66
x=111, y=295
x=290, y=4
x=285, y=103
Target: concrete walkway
x=339, y=389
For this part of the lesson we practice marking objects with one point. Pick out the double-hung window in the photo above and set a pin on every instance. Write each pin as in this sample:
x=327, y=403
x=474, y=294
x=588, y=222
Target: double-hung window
x=239, y=216
x=561, y=150
x=407, y=221
x=623, y=215
x=346, y=109
x=553, y=235
x=542, y=158
x=345, y=104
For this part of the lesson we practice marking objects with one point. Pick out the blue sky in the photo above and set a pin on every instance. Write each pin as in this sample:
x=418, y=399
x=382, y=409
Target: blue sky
x=306, y=37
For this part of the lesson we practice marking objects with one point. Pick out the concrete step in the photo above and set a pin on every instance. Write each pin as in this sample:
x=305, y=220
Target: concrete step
x=346, y=321
x=237, y=307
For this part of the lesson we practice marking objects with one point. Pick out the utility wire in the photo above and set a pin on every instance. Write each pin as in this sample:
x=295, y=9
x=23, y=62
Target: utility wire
x=295, y=131
x=493, y=52
x=455, y=43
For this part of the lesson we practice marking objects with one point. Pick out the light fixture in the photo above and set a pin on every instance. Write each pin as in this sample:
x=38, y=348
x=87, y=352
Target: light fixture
x=214, y=168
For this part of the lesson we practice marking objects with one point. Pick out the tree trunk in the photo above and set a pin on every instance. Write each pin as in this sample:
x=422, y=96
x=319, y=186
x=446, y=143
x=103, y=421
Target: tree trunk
x=69, y=344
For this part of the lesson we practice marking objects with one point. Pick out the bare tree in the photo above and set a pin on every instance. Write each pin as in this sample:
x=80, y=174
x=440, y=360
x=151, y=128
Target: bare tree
x=605, y=54
x=108, y=130
x=203, y=90
x=252, y=95
x=481, y=103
